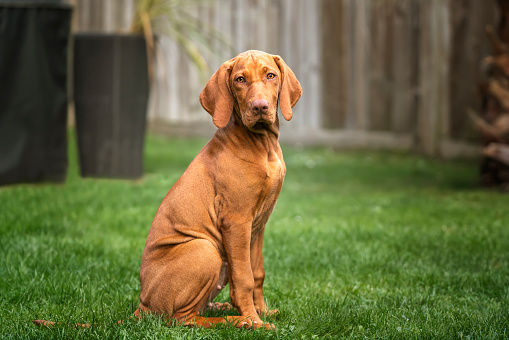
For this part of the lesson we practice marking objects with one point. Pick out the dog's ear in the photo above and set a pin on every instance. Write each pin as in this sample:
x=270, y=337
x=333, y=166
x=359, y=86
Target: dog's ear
x=290, y=88
x=216, y=98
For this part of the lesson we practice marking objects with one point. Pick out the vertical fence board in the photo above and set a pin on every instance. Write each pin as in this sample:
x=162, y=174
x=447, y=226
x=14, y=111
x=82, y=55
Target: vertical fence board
x=108, y=20
x=333, y=71
x=443, y=56
x=174, y=108
x=96, y=15
x=263, y=10
x=272, y=33
x=83, y=9
x=381, y=66
x=349, y=55
x=223, y=24
x=239, y=19
x=433, y=102
x=311, y=115
x=286, y=34
x=251, y=32
x=425, y=135
x=361, y=65
x=405, y=70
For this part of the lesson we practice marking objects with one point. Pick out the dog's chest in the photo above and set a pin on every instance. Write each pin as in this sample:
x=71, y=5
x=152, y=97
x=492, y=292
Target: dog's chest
x=271, y=186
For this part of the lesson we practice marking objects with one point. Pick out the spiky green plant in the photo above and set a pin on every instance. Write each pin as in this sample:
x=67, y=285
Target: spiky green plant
x=172, y=18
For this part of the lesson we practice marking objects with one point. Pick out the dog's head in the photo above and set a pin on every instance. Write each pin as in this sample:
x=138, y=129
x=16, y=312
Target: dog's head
x=253, y=82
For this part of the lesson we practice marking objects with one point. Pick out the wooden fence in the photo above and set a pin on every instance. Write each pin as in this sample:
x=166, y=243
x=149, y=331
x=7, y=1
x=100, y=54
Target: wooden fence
x=375, y=73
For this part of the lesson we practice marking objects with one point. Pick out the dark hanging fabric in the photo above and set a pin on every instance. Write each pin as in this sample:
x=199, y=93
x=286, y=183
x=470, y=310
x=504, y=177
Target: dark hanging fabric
x=34, y=38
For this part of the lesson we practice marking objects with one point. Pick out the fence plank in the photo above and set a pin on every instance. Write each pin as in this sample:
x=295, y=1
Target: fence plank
x=380, y=72
x=312, y=66
x=427, y=116
x=96, y=15
x=127, y=9
x=433, y=101
x=405, y=66
x=361, y=36
x=273, y=34
x=239, y=26
x=334, y=94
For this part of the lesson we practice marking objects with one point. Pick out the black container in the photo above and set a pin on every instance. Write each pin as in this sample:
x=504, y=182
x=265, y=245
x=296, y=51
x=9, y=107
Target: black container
x=111, y=96
x=34, y=39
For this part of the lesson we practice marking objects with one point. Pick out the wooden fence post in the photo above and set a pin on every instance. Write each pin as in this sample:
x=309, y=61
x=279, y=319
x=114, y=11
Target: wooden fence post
x=434, y=92
x=360, y=79
x=381, y=54
x=334, y=73
x=405, y=66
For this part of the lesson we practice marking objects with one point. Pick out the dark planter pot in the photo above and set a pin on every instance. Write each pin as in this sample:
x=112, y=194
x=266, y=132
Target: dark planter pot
x=34, y=39
x=111, y=95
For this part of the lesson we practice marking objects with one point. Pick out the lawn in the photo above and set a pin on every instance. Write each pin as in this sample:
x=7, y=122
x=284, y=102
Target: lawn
x=360, y=245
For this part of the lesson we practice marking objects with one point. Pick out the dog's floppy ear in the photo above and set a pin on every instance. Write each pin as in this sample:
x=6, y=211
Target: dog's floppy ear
x=290, y=88
x=216, y=98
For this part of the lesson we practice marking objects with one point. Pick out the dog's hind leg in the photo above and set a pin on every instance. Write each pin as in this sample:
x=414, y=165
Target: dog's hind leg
x=181, y=281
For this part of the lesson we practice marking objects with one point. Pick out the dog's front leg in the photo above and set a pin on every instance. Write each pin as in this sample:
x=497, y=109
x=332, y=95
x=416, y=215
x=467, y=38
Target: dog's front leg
x=236, y=241
x=258, y=273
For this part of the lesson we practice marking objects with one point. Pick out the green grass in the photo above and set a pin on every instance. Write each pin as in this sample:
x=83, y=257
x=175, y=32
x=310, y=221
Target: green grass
x=360, y=245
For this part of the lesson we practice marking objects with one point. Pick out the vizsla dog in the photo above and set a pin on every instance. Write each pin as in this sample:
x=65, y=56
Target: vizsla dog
x=209, y=228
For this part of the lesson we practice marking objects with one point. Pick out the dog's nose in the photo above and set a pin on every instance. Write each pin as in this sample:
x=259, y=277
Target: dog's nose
x=260, y=106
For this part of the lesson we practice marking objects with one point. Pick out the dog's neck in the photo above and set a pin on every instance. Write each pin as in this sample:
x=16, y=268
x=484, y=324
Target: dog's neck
x=238, y=134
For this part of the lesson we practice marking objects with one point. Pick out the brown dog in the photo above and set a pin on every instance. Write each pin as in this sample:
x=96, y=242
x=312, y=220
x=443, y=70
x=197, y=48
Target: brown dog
x=209, y=228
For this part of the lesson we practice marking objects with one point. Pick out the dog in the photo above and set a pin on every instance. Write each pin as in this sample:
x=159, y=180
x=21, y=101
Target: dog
x=208, y=230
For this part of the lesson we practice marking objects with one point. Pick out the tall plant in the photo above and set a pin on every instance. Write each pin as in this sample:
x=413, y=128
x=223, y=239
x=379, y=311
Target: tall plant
x=172, y=18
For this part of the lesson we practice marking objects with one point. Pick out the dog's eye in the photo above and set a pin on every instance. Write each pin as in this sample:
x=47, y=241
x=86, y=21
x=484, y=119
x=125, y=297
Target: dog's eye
x=240, y=80
x=271, y=76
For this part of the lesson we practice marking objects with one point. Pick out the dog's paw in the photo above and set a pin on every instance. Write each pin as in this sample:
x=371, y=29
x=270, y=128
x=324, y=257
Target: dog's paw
x=222, y=306
x=272, y=312
x=248, y=323
x=267, y=312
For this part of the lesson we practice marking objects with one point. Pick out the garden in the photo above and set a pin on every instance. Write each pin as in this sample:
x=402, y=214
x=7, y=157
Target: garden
x=360, y=245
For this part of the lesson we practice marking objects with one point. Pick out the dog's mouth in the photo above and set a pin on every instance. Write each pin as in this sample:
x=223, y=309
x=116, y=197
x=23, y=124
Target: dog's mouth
x=260, y=125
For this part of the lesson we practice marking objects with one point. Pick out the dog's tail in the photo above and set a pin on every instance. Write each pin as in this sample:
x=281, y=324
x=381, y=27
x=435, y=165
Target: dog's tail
x=46, y=323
